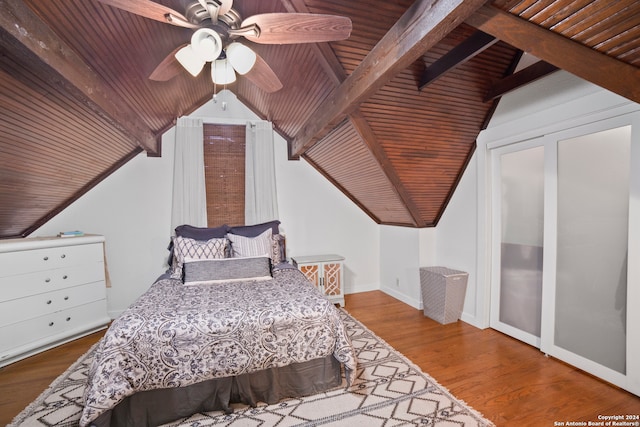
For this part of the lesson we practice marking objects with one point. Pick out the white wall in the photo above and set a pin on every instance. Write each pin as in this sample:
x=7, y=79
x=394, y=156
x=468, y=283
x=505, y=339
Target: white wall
x=456, y=235
x=451, y=244
x=461, y=235
x=400, y=259
x=318, y=219
x=132, y=209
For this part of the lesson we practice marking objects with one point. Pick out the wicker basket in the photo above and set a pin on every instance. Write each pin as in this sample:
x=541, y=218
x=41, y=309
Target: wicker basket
x=443, y=292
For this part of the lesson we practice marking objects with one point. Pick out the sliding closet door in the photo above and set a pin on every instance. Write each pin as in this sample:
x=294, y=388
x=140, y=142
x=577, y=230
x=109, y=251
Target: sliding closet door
x=518, y=228
x=587, y=304
x=565, y=245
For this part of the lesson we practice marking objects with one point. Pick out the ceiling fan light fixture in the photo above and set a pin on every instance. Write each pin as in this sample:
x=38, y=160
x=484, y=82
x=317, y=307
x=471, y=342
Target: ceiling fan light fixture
x=190, y=60
x=207, y=44
x=222, y=72
x=241, y=57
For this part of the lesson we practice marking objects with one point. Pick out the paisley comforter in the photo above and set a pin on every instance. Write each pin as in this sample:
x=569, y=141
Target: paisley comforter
x=176, y=335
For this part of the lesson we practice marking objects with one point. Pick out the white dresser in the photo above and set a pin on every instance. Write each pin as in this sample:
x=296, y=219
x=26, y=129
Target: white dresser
x=52, y=290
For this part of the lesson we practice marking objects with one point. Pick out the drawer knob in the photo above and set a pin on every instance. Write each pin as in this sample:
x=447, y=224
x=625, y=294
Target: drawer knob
x=65, y=277
x=47, y=280
x=66, y=298
x=63, y=256
x=68, y=318
x=46, y=258
x=50, y=323
x=49, y=302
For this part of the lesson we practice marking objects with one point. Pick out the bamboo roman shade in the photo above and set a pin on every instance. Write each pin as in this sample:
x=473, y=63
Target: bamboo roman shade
x=224, y=161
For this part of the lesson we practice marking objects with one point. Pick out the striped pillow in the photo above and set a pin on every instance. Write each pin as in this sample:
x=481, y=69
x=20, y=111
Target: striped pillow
x=242, y=246
x=210, y=271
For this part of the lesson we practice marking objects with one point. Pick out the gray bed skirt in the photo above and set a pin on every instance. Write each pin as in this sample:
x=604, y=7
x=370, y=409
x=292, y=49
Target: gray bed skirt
x=155, y=407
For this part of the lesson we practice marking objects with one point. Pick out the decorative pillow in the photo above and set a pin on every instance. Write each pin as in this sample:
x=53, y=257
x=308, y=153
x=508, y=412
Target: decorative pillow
x=202, y=233
x=210, y=271
x=198, y=233
x=278, y=253
x=242, y=246
x=195, y=249
x=255, y=230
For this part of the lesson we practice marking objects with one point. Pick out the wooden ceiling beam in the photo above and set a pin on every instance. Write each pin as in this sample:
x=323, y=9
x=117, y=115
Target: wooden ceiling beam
x=578, y=59
x=334, y=69
x=523, y=77
x=470, y=47
x=423, y=25
x=22, y=30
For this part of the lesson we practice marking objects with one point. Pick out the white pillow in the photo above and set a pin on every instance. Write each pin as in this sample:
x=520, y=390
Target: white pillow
x=242, y=246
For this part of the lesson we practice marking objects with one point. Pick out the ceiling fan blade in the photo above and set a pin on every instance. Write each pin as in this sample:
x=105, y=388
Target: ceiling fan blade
x=263, y=76
x=290, y=28
x=151, y=10
x=168, y=68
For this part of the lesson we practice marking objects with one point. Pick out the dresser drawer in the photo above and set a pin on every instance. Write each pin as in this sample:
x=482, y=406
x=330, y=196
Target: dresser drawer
x=52, y=290
x=49, y=328
x=25, y=285
x=22, y=309
x=25, y=261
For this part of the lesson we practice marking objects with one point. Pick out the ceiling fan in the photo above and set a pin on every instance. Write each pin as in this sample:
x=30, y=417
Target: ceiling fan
x=215, y=40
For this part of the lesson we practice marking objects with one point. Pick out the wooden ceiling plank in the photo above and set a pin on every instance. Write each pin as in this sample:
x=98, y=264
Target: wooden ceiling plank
x=344, y=191
x=323, y=51
x=520, y=6
x=424, y=24
x=592, y=19
x=77, y=194
x=460, y=54
x=26, y=30
x=361, y=126
x=586, y=63
x=557, y=13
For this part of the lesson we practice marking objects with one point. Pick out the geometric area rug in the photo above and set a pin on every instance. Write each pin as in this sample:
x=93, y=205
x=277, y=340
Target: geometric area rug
x=389, y=391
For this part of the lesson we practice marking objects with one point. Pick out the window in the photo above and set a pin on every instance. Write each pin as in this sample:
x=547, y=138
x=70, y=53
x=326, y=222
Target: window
x=224, y=169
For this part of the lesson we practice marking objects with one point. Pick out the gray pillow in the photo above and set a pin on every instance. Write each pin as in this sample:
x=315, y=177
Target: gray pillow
x=256, y=229
x=201, y=233
x=209, y=271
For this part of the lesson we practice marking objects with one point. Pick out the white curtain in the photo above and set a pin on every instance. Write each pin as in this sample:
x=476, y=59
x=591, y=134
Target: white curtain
x=189, y=194
x=261, y=202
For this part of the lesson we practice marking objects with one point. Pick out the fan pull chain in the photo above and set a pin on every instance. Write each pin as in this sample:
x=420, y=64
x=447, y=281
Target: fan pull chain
x=224, y=103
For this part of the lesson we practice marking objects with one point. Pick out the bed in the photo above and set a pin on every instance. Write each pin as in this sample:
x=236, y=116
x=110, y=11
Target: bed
x=220, y=327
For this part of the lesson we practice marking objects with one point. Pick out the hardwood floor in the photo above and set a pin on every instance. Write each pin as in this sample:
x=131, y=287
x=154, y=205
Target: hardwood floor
x=22, y=382
x=509, y=382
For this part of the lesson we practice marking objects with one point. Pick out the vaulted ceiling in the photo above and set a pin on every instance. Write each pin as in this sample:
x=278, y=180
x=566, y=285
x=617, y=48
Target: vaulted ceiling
x=389, y=115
